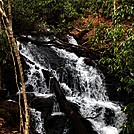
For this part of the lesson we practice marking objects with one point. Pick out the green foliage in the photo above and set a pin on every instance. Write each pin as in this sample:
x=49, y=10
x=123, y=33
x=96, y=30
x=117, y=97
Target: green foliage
x=56, y=14
x=4, y=49
x=125, y=13
x=59, y=14
x=121, y=58
x=106, y=5
x=129, y=126
x=124, y=10
x=117, y=54
x=116, y=44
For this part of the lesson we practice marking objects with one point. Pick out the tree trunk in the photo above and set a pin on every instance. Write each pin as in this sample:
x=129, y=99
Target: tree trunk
x=8, y=27
x=115, y=21
x=114, y=11
x=0, y=25
x=1, y=59
x=10, y=12
x=1, y=87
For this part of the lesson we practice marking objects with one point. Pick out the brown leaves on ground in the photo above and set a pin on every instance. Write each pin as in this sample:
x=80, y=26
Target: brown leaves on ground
x=8, y=131
x=9, y=122
x=89, y=22
x=4, y=130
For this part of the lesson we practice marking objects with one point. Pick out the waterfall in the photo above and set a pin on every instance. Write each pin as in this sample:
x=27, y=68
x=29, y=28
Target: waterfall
x=82, y=84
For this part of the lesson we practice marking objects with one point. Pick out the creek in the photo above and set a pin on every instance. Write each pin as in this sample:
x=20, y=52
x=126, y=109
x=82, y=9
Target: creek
x=83, y=85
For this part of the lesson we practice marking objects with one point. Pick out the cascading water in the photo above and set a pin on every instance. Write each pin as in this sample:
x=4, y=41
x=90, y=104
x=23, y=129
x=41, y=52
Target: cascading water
x=82, y=85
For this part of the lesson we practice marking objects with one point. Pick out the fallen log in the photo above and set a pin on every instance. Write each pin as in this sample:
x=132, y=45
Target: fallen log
x=66, y=107
x=77, y=49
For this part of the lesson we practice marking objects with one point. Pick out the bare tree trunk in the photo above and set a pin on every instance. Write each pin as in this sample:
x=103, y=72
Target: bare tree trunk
x=0, y=61
x=115, y=19
x=1, y=87
x=14, y=45
x=115, y=2
x=0, y=25
x=10, y=12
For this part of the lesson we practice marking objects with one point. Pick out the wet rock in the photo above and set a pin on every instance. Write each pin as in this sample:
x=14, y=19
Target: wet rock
x=59, y=124
x=8, y=76
x=56, y=124
x=4, y=94
x=87, y=125
x=109, y=116
x=29, y=88
x=40, y=103
x=44, y=105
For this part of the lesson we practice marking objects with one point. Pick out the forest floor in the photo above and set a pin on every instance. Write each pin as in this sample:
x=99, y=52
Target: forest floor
x=89, y=22
x=8, y=118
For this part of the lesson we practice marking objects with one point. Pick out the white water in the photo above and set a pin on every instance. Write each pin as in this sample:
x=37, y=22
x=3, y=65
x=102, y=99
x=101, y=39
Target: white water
x=38, y=121
x=92, y=98
x=71, y=40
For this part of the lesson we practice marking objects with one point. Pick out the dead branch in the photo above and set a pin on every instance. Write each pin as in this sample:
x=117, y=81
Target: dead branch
x=68, y=109
x=77, y=49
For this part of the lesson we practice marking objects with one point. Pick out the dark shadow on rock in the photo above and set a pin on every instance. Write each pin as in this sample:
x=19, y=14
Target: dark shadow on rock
x=44, y=105
x=109, y=116
x=56, y=124
x=59, y=123
x=4, y=95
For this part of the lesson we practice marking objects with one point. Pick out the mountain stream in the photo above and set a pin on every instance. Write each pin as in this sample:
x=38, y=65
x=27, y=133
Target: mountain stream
x=82, y=84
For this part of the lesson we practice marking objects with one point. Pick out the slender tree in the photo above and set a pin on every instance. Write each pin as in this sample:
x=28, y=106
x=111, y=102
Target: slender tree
x=0, y=59
x=114, y=19
x=115, y=2
x=8, y=27
x=1, y=88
